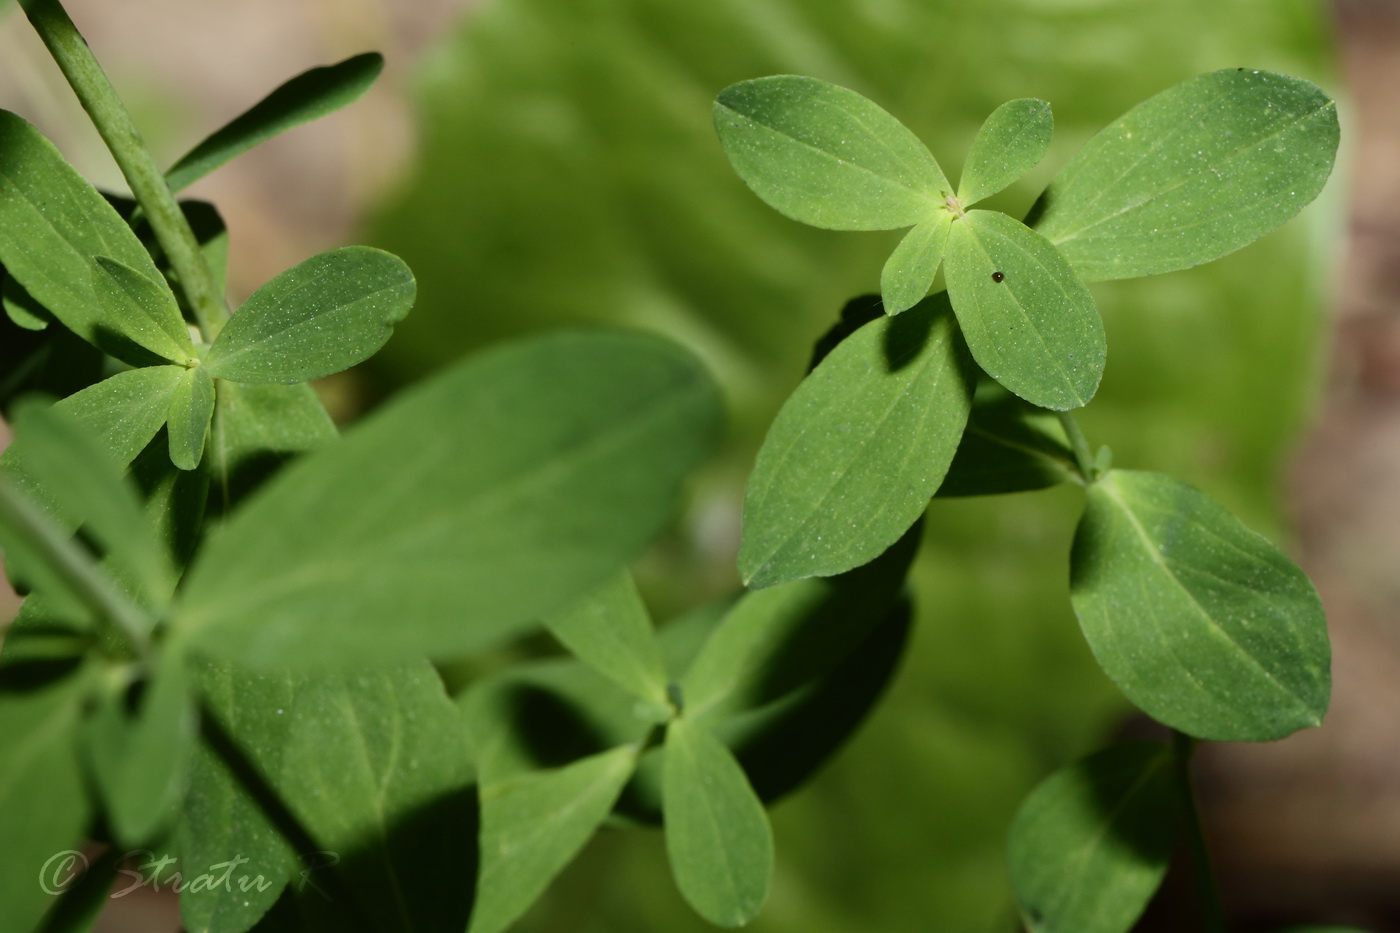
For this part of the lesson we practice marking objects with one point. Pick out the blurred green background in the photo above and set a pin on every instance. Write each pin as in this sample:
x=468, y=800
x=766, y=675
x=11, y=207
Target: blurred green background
x=568, y=175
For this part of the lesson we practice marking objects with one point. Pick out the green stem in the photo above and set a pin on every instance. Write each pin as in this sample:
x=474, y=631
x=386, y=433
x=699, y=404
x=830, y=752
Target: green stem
x=114, y=124
x=1079, y=444
x=1212, y=913
x=74, y=567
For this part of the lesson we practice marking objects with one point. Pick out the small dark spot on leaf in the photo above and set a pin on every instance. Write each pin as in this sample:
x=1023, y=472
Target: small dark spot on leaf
x=997, y=276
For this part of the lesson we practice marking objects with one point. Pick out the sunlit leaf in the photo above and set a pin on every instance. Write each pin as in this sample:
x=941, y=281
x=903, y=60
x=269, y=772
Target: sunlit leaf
x=1009, y=144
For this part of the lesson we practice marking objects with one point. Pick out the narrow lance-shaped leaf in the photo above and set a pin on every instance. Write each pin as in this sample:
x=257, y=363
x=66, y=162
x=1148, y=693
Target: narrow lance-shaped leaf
x=1009, y=144
x=611, y=631
x=325, y=315
x=910, y=270
x=533, y=826
x=191, y=408
x=1194, y=173
x=827, y=156
x=1202, y=623
x=144, y=310
x=717, y=834
x=53, y=226
x=308, y=96
x=84, y=483
x=856, y=453
x=476, y=503
x=1029, y=321
x=44, y=808
x=1091, y=843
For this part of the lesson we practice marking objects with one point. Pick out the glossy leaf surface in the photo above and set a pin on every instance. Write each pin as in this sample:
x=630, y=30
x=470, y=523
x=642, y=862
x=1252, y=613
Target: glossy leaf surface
x=1191, y=174
x=1009, y=144
x=827, y=156
x=717, y=833
x=856, y=453
x=487, y=497
x=1202, y=623
x=324, y=315
x=1029, y=321
x=534, y=825
x=1091, y=843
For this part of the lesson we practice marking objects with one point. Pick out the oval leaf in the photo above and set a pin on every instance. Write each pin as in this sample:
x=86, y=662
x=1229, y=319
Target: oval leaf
x=483, y=499
x=611, y=631
x=144, y=310
x=717, y=833
x=1091, y=843
x=325, y=315
x=309, y=96
x=532, y=826
x=1009, y=144
x=858, y=450
x=191, y=408
x=1202, y=623
x=1029, y=321
x=53, y=226
x=827, y=156
x=1194, y=173
x=909, y=272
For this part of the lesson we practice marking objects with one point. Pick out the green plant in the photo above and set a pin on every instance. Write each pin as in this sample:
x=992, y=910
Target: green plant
x=244, y=683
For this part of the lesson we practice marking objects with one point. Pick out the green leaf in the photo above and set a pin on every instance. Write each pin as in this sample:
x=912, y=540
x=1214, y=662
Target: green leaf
x=372, y=773
x=53, y=226
x=1009, y=144
x=827, y=156
x=610, y=630
x=717, y=834
x=1009, y=446
x=222, y=819
x=856, y=453
x=1029, y=321
x=778, y=639
x=1091, y=843
x=23, y=310
x=1202, y=623
x=309, y=96
x=532, y=826
x=191, y=409
x=483, y=499
x=84, y=487
x=325, y=315
x=909, y=272
x=143, y=309
x=1194, y=173
x=140, y=760
x=256, y=430
x=44, y=809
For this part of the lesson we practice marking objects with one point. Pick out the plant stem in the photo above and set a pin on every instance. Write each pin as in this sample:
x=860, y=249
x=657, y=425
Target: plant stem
x=1077, y=442
x=74, y=566
x=114, y=124
x=1212, y=913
